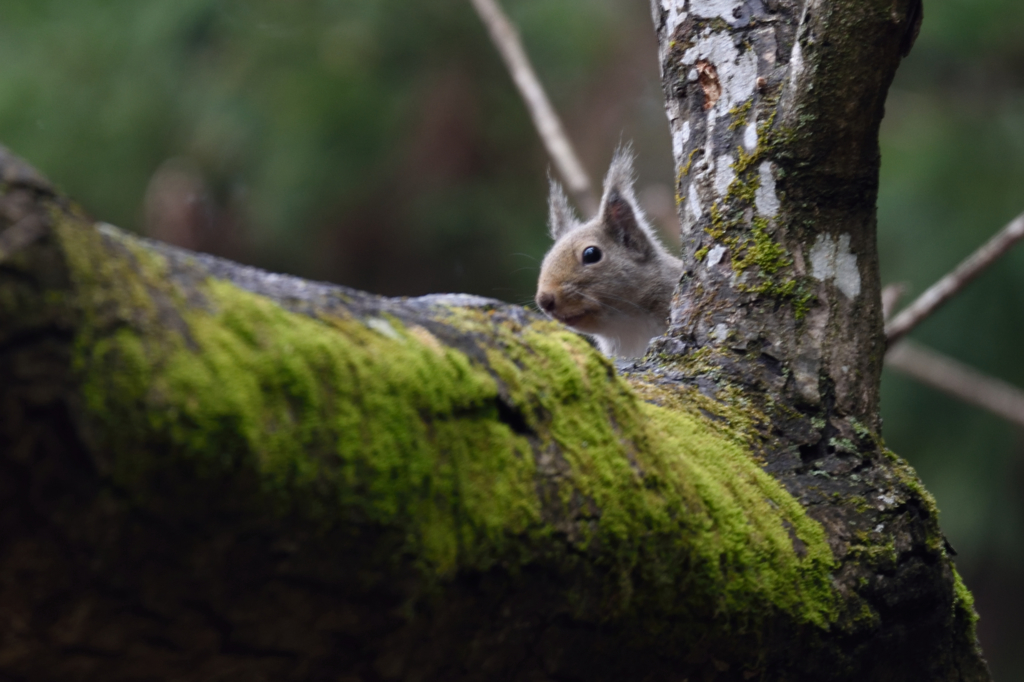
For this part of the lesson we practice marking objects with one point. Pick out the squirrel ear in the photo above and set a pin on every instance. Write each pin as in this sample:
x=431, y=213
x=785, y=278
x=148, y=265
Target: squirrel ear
x=621, y=217
x=561, y=218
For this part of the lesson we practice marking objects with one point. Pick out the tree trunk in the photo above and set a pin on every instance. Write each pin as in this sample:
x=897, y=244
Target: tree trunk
x=215, y=473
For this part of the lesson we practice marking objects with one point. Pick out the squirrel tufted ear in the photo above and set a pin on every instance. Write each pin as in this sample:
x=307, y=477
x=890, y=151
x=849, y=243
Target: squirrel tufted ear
x=620, y=214
x=561, y=218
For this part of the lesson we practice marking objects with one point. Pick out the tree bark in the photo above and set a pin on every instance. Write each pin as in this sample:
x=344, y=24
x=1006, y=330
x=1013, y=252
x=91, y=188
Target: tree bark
x=774, y=111
x=215, y=473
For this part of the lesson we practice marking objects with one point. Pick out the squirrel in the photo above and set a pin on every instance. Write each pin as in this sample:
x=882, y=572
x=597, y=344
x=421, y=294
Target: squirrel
x=609, y=278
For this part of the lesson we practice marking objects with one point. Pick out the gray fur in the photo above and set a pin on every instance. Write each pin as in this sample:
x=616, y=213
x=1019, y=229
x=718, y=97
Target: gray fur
x=561, y=217
x=621, y=177
x=623, y=299
x=620, y=211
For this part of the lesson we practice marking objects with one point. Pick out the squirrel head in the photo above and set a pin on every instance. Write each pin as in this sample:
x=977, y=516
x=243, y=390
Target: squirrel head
x=608, y=277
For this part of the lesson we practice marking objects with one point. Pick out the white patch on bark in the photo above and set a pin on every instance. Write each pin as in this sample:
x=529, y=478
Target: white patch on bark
x=690, y=57
x=693, y=202
x=720, y=333
x=833, y=260
x=709, y=136
x=724, y=174
x=765, y=198
x=847, y=272
x=823, y=258
x=750, y=137
x=737, y=73
x=715, y=255
x=711, y=9
x=672, y=109
x=796, y=65
x=766, y=37
x=679, y=140
x=676, y=15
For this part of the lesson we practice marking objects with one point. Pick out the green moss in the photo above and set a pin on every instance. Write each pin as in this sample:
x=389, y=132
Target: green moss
x=863, y=432
x=963, y=601
x=744, y=160
x=717, y=25
x=378, y=420
x=762, y=251
x=739, y=114
x=306, y=403
x=685, y=170
x=843, y=445
x=865, y=618
x=802, y=300
x=718, y=226
x=752, y=244
x=860, y=503
x=743, y=190
x=909, y=479
x=730, y=414
x=877, y=557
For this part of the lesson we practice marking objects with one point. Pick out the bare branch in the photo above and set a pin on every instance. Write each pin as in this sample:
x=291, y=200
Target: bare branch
x=958, y=380
x=950, y=376
x=951, y=284
x=891, y=296
x=546, y=120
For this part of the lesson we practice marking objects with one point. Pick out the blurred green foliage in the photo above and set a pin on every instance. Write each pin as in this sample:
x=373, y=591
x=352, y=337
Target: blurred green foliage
x=380, y=144
x=367, y=142
x=953, y=174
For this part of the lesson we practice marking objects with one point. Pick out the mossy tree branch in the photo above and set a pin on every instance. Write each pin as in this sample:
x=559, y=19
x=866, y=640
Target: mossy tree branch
x=428, y=443
x=216, y=473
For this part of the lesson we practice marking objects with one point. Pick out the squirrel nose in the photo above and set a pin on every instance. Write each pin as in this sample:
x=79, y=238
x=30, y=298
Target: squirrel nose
x=546, y=301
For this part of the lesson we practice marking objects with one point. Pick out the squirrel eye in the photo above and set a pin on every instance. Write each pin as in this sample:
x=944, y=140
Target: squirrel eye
x=591, y=254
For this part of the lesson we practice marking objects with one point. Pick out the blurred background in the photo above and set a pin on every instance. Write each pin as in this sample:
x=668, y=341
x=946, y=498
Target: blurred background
x=380, y=144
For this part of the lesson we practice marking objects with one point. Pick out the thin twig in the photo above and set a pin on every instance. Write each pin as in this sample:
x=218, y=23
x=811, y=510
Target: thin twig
x=957, y=379
x=546, y=120
x=891, y=296
x=948, y=375
x=951, y=284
